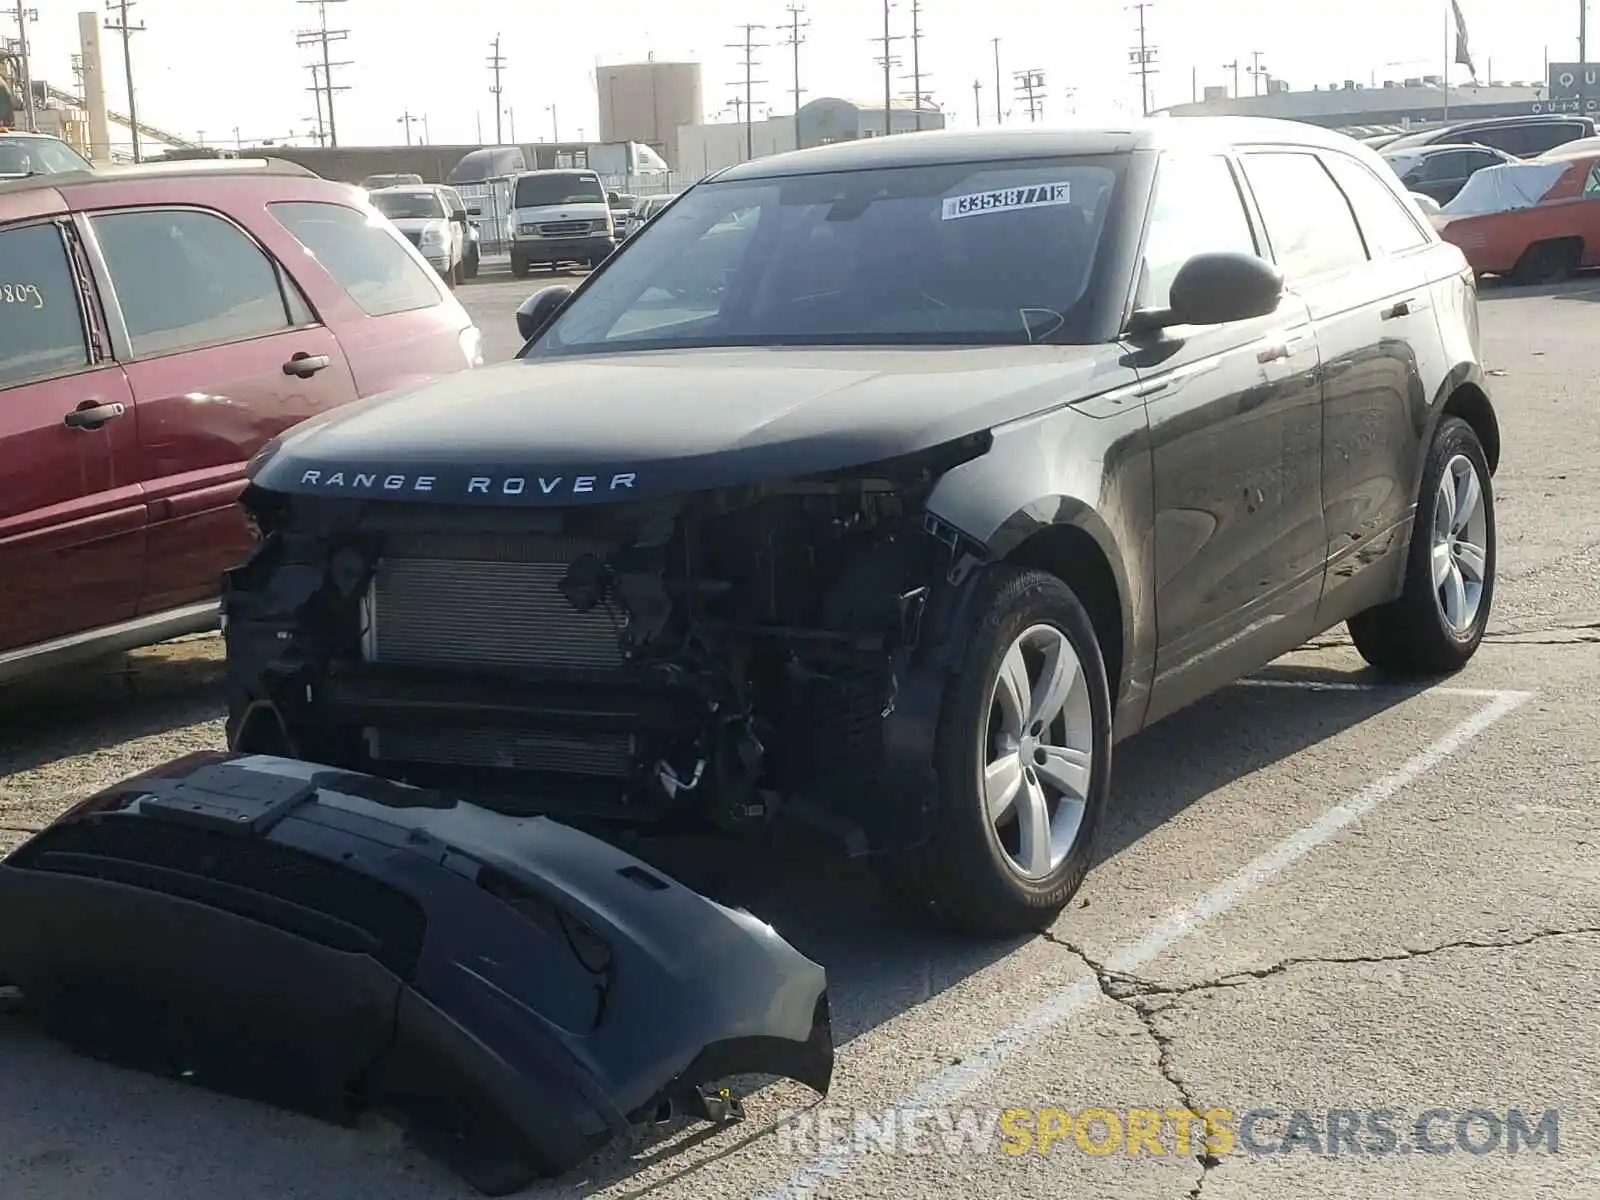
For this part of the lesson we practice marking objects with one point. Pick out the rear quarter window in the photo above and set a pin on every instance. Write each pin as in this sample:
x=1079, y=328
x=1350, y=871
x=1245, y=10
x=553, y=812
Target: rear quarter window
x=361, y=253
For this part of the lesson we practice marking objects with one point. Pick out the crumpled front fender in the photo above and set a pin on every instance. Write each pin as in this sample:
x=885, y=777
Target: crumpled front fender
x=515, y=991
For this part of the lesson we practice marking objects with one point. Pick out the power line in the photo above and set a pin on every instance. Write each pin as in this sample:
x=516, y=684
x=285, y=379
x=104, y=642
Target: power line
x=497, y=63
x=325, y=37
x=889, y=62
x=1143, y=58
x=127, y=29
x=794, y=39
x=1030, y=85
x=749, y=46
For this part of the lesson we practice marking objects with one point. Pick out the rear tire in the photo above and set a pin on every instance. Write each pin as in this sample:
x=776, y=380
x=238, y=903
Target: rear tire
x=1438, y=622
x=973, y=875
x=1548, y=262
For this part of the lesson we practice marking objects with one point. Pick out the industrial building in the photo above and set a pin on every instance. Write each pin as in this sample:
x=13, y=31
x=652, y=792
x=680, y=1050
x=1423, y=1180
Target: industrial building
x=648, y=102
x=1380, y=107
x=706, y=148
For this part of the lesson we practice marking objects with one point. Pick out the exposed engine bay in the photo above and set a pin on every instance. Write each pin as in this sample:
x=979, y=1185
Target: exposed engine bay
x=711, y=656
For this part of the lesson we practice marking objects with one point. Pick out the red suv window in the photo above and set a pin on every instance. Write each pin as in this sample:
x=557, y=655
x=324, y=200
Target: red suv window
x=364, y=255
x=41, y=321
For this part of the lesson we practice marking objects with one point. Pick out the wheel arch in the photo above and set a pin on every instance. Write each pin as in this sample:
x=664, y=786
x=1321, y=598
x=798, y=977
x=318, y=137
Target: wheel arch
x=1065, y=537
x=1462, y=394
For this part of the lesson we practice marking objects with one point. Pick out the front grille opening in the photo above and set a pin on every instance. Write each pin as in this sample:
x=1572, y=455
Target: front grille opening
x=275, y=885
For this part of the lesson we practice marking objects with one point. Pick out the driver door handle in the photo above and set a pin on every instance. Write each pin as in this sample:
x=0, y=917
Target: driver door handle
x=92, y=415
x=306, y=365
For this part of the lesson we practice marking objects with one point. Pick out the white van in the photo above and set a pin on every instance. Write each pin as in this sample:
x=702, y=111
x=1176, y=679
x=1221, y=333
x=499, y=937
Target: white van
x=559, y=217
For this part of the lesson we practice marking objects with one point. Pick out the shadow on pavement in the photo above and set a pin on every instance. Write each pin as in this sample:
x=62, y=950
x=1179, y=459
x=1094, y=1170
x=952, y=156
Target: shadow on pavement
x=58, y=1115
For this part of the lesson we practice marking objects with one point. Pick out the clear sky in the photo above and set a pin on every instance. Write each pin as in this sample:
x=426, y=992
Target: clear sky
x=214, y=66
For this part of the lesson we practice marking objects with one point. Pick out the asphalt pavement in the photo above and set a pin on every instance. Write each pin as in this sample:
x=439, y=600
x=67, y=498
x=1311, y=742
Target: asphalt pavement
x=1355, y=926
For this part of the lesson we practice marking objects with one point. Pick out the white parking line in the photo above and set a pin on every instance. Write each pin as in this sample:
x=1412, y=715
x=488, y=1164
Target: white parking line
x=1398, y=689
x=954, y=1082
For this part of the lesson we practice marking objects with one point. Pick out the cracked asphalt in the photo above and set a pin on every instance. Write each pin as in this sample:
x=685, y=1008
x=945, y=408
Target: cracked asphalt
x=1358, y=926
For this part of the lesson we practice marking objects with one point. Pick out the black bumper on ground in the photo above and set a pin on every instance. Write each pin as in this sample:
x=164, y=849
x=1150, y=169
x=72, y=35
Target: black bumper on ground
x=514, y=991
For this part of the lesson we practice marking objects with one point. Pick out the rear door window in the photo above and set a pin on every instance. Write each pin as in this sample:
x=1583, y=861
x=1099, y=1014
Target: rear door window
x=1389, y=223
x=363, y=254
x=1307, y=218
x=41, y=319
x=186, y=279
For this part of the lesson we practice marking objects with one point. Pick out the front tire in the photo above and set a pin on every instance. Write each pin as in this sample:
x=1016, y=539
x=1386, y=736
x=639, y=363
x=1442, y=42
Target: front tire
x=520, y=267
x=1437, y=624
x=469, y=266
x=1024, y=766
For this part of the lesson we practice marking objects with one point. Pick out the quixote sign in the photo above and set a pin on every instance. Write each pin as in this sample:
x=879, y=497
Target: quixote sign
x=1571, y=88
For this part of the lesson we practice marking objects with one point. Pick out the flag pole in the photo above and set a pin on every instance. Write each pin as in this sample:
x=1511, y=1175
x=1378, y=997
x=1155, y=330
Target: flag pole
x=1449, y=51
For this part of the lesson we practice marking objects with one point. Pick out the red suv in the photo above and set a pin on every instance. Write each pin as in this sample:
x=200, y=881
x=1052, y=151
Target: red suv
x=157, y=326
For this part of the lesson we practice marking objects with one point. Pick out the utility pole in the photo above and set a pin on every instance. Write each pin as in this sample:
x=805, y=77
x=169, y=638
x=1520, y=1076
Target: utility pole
x=324, y=37
x=1257, y=72
x=316, y=90
x=1143, y=58
x=1583, y=32
x=793, y=40
x=916, y=61
x=749, y=46
x=555, y=124
x=406, y=120
x=999, y=117
x=1029, y=85
x=889, y=62
x=497, y=63
x=977, y=102
x=127, y=29
x=25, y=72
x=1234, y=67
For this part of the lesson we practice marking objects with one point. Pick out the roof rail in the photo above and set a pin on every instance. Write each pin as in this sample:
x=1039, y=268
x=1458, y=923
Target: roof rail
x=176, y=167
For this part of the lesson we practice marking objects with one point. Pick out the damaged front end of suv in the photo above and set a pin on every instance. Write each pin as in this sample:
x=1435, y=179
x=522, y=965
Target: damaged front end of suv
x=704, y=657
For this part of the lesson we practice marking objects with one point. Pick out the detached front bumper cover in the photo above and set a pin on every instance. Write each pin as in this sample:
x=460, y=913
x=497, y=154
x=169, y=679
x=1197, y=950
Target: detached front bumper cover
x=514, y=991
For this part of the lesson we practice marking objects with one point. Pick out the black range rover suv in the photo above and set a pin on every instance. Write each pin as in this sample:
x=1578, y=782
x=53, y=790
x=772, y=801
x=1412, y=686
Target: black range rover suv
x=891, y=485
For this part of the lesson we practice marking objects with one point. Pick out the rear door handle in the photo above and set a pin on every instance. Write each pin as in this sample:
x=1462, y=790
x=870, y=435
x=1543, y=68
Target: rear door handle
x=92, y=415
x=1402, y=309
x=306, y=365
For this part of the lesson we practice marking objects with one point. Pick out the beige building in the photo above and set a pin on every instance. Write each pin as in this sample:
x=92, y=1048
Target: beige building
x=706, y=148
x=647, y=102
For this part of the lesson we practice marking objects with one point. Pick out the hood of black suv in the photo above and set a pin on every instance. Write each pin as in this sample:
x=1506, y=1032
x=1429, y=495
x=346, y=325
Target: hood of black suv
x=597, y=429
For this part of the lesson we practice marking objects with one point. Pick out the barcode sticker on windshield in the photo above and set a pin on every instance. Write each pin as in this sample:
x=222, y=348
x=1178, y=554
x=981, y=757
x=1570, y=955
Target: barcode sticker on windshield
x=1042, y=195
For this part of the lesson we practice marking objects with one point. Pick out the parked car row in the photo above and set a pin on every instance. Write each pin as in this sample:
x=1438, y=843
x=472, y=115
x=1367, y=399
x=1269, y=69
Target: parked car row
x=161, y=324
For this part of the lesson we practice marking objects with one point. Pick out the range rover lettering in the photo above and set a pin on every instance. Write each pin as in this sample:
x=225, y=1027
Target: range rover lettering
x=953, y=460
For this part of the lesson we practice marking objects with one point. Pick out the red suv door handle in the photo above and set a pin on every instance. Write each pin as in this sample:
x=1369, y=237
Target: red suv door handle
x=306, y=365
x=92, y=415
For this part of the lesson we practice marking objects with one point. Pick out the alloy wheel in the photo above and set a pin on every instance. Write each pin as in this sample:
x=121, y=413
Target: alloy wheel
x=1460, y=545
x=1038, y=751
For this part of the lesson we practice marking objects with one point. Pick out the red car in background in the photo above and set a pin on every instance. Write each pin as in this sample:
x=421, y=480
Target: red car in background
x=157, y=326
x=1536, y=221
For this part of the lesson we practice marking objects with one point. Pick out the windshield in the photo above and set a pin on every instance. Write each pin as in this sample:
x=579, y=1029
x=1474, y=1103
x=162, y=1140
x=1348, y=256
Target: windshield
x=39, y=156
x=955, y=254
x=401, y=206
x=542, y=191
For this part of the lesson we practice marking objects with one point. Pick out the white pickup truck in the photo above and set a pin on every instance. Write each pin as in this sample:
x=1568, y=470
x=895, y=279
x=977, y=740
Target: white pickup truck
x=436, y=222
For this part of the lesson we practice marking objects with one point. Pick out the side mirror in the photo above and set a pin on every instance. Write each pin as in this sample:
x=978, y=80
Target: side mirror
x=459, y=216
x=1214, y=289
x=474, y=212
x=536, y=311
